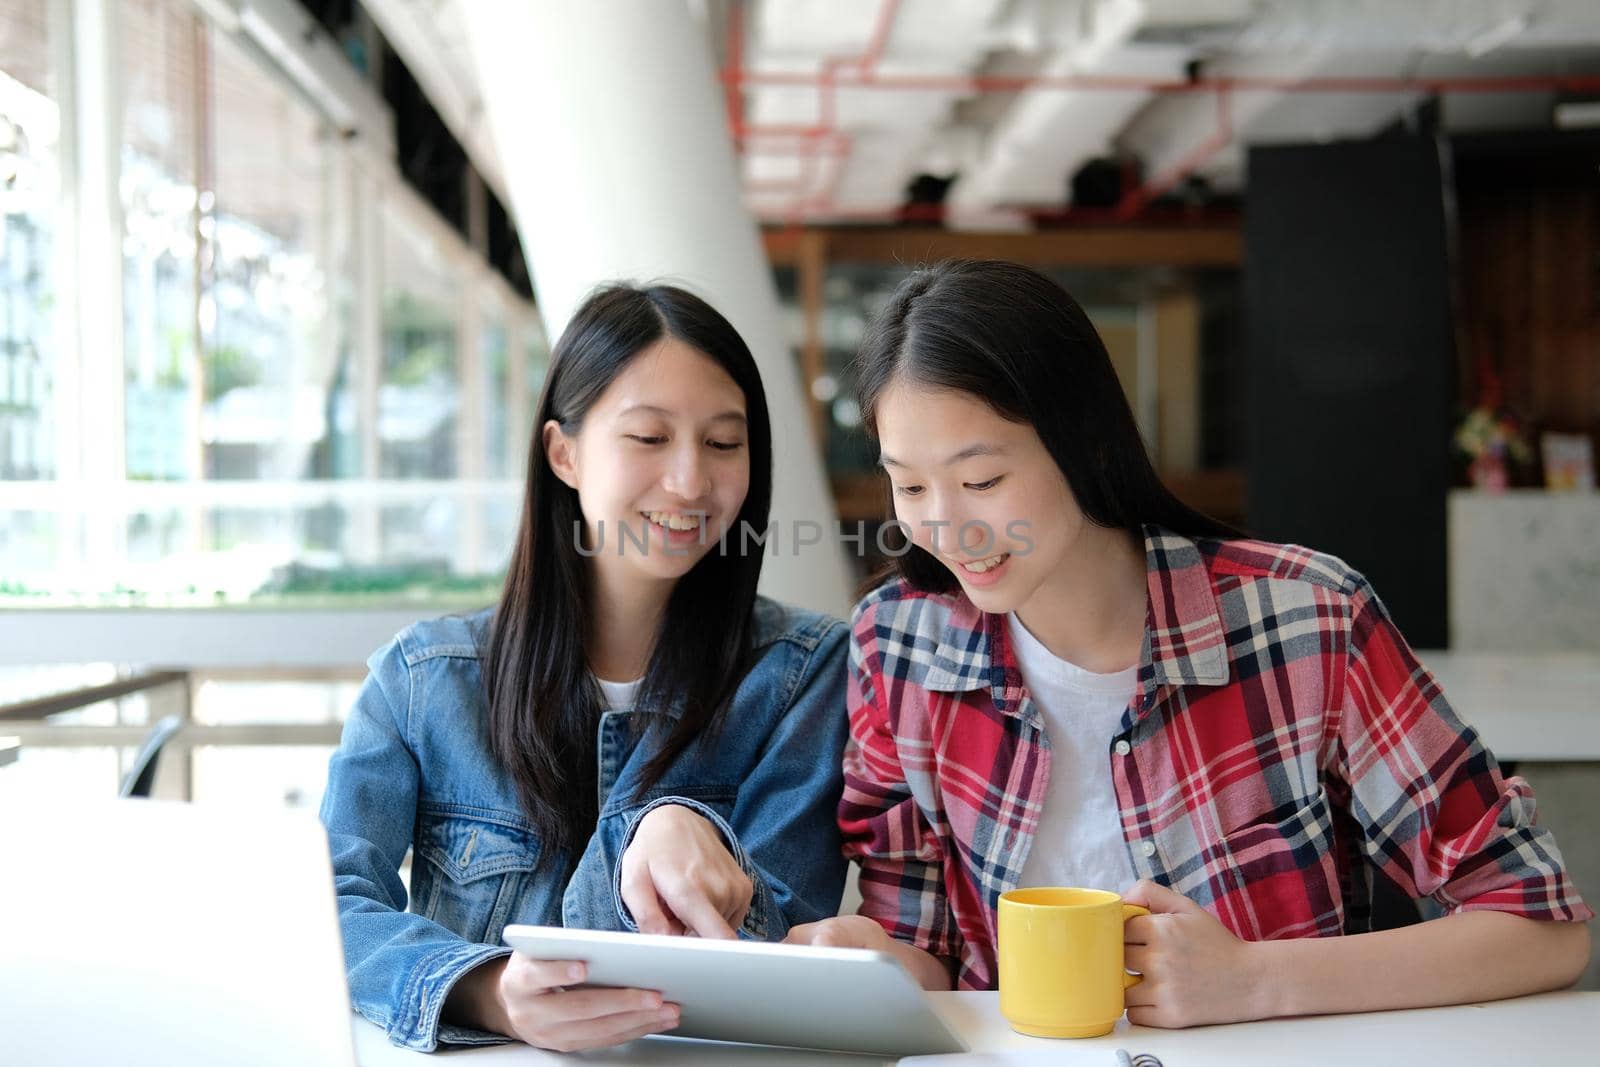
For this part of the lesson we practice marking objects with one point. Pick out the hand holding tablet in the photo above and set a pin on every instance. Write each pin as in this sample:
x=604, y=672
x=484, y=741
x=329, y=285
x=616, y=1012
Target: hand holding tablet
x=836, y=999
x=529, y=999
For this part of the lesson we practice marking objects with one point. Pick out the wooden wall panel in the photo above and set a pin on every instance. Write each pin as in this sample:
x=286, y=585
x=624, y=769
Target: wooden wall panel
x=1530, y=301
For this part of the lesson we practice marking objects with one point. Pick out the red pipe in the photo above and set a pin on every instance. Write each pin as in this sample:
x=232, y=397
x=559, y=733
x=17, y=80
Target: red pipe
x=1096, y=216
x=879, y=40
x=860, y=72
x=814, y=142
x=866, y=66
x=994, y=83
x=1136, y=199
x=732, y=84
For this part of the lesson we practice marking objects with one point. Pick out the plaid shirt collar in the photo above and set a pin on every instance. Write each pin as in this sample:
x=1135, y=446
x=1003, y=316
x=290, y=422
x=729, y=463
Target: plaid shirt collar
x=1184, y=641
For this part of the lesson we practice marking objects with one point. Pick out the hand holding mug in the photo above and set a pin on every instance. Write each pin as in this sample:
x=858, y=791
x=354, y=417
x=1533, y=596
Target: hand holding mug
x=1195, y=970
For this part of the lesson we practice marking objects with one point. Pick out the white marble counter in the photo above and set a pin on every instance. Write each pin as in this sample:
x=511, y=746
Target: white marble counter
x=1527, y=706
x=1524, y=571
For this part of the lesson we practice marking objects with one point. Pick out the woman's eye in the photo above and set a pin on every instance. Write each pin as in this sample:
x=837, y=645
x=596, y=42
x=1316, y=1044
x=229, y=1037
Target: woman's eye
x=726, y=446
x=645, y=439
x=981, y=486
x=908, y=490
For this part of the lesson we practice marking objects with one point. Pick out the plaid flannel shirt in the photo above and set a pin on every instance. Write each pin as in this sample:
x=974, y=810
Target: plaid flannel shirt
x=1281, y=733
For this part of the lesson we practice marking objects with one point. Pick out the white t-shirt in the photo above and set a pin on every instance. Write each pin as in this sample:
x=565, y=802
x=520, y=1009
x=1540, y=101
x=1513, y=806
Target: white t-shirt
x=1079, y=841
x=619, y=696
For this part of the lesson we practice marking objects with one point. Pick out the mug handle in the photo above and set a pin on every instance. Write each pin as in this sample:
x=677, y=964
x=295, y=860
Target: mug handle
x=1128, y=912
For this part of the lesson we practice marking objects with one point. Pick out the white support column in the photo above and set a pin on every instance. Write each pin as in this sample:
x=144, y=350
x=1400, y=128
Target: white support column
x=64, y=266
x=470, y=437
x=100, y=389
x=366, y=192
x=472, y=430
x=519, y=405
x=610, y=126
x=335, y=251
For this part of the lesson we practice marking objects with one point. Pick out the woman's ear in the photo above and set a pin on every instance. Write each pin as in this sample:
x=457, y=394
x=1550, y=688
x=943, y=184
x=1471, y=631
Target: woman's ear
x=561, y=452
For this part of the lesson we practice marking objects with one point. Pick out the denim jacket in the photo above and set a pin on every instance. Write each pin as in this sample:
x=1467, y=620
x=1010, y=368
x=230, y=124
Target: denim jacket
x=414, y=770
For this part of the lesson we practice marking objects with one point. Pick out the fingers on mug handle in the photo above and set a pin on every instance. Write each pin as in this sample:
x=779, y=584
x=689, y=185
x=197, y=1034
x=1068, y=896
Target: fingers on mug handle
x=1132, y=911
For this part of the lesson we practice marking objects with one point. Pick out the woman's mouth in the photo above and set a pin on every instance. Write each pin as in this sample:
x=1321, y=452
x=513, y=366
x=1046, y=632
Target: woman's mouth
x=678, y=529
x=986, y=571
x=674, y=520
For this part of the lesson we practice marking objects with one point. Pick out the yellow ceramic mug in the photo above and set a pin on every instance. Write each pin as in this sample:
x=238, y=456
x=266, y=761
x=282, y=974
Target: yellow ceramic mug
x=1061, y=961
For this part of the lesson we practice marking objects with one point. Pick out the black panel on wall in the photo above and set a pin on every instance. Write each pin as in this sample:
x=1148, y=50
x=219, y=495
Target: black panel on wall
x=1350, y=363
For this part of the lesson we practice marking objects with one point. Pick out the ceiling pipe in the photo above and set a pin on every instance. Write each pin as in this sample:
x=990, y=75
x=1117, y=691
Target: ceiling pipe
x=732, y=88
x=1044, y=135
x=998, y=83
x=844, y=144
x=815, y=143
x=1135, y=200
x=824, y=140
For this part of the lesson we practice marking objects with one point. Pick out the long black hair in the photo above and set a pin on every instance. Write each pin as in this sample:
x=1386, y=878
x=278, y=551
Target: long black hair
x=544, y=704
x=1016, y=340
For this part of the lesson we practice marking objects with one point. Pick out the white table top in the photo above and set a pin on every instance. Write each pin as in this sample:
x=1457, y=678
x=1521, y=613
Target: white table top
x=1550, y=1028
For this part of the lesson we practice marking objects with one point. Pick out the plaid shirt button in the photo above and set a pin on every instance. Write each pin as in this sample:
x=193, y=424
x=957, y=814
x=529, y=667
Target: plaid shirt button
x=1123, y=748
x=1148, y=848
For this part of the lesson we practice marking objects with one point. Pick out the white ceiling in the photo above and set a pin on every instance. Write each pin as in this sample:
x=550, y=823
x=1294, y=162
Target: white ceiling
x=905, y=102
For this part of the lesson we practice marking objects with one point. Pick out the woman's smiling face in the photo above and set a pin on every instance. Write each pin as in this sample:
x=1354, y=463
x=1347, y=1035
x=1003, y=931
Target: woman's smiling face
x=978, y=491
x=661, y=463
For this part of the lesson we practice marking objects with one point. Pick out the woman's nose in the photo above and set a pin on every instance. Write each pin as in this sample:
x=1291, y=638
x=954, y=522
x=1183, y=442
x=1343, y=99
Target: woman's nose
x=687, y=475
x=946, y=526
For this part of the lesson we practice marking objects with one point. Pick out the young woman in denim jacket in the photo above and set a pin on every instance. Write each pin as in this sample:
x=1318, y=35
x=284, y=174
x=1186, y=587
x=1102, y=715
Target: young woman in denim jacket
x=630, y=739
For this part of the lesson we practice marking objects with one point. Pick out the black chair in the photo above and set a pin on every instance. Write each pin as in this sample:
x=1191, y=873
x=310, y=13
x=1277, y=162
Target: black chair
x=142, y=775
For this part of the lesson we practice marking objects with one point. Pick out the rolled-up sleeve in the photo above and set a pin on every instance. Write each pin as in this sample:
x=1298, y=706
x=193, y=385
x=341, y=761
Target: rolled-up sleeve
x=1437, y=815
x=884, y=828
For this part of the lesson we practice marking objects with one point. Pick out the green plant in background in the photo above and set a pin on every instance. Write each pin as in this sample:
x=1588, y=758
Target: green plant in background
x=229, y=367
x=1490, y=436
x=1484, y=432
x=17, y=589
x=419, y=341
x=179, y=343
x=423, y=576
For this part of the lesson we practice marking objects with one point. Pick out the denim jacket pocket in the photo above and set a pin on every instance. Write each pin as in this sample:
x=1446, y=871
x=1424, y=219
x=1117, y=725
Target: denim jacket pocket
x=470, y=871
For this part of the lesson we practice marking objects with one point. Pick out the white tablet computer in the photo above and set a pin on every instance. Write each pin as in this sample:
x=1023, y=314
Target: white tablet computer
x=837, y=999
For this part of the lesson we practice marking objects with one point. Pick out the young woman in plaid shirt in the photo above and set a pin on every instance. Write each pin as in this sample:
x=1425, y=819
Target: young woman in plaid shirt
x=1076, y=679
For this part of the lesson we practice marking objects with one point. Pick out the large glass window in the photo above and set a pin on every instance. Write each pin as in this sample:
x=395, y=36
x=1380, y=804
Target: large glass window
x=494, y=347
x=420, y=394
x=537, y=359
x=278, y=390
x=277, y=386
x=294, y=384
x=163, y=48
x=30, y=131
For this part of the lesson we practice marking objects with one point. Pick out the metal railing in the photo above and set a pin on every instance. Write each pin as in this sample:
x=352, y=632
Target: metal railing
x=170, y=692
